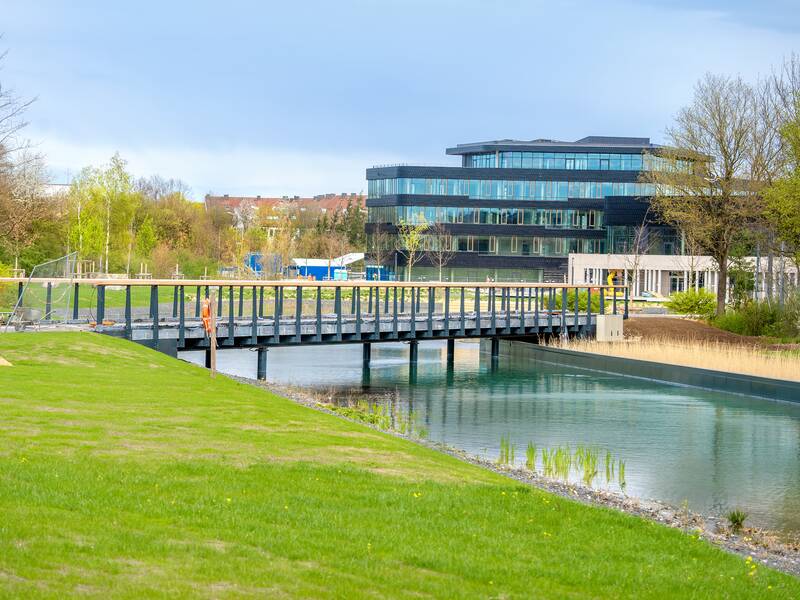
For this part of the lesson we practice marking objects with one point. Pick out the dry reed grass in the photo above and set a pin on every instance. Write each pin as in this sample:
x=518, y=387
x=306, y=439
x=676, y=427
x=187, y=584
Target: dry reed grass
x=702, y=354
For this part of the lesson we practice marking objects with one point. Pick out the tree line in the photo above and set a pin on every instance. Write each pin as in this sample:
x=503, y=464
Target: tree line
x=120, y=224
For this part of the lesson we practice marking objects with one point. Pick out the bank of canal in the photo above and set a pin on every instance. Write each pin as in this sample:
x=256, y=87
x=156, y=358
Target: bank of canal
x=712, y=451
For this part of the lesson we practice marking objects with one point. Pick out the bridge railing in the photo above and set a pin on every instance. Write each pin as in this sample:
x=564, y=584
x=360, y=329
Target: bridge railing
x=166, y=303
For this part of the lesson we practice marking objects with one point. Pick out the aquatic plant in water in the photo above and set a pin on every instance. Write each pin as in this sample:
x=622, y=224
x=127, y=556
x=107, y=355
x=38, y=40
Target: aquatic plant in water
x=584, y=463
x=530, y=456
x=736, y=518
x=507, y=451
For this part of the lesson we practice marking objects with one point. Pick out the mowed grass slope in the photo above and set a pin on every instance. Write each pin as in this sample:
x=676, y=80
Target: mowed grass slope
x=126, y=473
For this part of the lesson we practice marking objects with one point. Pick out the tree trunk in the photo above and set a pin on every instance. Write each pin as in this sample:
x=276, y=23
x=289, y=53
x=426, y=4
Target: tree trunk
x=722, y=285
x=770, y=273
x=108, y=231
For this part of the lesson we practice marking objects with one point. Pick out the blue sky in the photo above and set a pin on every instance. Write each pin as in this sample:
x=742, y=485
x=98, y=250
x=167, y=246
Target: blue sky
x=300, y=97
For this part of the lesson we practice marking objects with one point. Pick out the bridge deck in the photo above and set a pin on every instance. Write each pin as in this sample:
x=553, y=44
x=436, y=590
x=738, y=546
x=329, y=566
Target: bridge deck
x=329, y=329
x=323, y=312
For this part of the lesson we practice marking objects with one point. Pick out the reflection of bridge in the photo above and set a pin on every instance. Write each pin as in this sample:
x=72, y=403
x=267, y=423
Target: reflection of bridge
x=263, y=314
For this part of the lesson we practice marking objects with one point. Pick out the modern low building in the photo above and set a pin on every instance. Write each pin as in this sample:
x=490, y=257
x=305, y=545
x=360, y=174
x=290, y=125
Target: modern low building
x=515, y=210
x=658, y=275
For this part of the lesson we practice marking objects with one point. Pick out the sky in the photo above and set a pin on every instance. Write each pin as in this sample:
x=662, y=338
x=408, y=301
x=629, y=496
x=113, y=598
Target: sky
x=299, y=98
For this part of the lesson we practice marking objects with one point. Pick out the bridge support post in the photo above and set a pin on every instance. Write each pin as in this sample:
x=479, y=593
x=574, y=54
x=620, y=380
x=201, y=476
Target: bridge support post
x=413, y=352
x=366, y=353
x=451, y=351
x=261, y=369
x=495, y=348
x=48, y=305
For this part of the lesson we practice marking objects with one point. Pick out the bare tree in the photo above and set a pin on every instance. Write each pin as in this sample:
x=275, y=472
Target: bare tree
x=22, y=203
x=156, y=187
x=441, y=252
x=705, y=186
x=12, y=121
x=283, y=242
x=336, y=245
x=380, y=246
x=786, y=84
x=642, y=242
x=409, y=242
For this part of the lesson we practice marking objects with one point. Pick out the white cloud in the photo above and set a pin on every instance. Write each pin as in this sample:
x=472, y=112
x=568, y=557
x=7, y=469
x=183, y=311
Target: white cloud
x=235, y=171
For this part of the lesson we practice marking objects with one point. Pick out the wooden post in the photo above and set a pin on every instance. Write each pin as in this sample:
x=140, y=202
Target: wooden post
x=48, y=304
x=213, y=335
x=128, y=313
x=182, y=318
x=76, y=301
x=461, y=329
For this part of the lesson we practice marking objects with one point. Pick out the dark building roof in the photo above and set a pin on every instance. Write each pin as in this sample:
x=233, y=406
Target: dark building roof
x=592, y=143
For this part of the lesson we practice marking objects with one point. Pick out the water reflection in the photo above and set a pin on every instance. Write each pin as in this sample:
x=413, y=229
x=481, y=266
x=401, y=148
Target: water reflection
x=715, y=451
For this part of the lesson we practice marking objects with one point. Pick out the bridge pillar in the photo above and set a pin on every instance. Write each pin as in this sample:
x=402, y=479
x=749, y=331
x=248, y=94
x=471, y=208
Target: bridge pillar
x=495, y=349
x=413, y=352
x=261, y=369
x=366, y=353
x=451, y=351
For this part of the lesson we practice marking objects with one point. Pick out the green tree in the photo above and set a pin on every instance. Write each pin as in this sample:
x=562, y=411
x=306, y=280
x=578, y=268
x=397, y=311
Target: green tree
x=410, y=239
x=782, y=199
x=146, y=238
x=102, y=207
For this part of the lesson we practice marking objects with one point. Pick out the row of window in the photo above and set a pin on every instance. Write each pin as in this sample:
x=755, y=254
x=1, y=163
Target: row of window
x=627, y=239
x=550, y=218
x=503, y=245
x=495, y=189
x=579, y=161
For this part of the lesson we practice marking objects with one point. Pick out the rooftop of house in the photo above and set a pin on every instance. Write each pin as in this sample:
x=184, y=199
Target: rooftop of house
x=324, y=202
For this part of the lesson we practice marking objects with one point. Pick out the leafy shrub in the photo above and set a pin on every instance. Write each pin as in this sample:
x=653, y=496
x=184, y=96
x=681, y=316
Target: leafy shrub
x=732, y=321
x=693, y=302
x=788, y=325
x=583, y=300
x=8, y=291
x=762, y=318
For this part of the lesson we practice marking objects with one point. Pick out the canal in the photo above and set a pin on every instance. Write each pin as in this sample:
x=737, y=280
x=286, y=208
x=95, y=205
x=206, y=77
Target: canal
x=712, y=451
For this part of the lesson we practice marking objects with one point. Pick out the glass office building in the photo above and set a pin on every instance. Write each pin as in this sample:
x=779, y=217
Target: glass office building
x=514, y=210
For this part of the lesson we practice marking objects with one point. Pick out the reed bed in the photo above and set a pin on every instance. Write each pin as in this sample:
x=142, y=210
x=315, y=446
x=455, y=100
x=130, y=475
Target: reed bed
x=748, y=360
x=564, y=463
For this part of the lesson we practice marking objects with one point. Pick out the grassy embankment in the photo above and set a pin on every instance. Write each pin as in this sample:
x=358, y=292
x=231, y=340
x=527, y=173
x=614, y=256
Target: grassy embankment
x=729, y=358
x=128, y=473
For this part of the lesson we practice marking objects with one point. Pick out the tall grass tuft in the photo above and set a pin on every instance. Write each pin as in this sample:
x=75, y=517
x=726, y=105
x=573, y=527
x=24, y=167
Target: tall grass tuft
x=530, y=457
x=506, y=451
x=737, y=518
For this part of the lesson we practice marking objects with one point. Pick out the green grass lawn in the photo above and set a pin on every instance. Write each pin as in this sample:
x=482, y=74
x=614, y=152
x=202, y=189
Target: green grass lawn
x=126, y=473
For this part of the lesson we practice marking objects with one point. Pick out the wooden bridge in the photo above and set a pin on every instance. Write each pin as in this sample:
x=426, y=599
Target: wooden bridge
x=166, y=314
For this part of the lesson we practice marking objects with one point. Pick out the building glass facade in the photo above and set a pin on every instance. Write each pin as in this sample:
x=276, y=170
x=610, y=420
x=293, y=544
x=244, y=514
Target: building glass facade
x=515, y=210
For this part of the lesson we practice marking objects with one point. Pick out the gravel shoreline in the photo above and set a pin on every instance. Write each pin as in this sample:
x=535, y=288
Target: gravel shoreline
x=768, y=548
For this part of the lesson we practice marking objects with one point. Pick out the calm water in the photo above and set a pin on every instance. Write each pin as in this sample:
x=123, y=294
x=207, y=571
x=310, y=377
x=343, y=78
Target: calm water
x=715, y=451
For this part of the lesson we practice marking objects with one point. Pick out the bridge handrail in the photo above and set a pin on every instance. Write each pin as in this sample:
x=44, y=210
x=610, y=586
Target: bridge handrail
x=309, y=283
